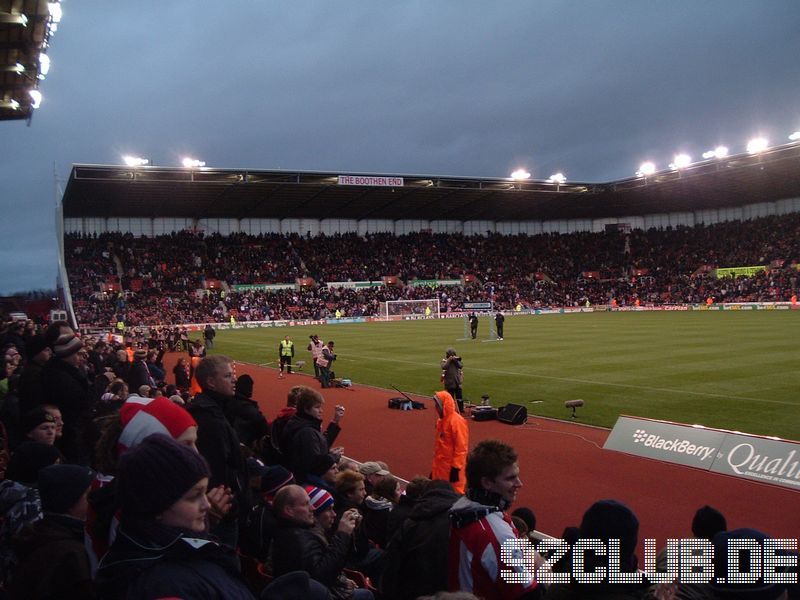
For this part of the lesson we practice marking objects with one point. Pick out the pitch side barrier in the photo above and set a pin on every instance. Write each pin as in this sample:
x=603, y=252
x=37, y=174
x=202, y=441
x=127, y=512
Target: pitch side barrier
x=460, y=315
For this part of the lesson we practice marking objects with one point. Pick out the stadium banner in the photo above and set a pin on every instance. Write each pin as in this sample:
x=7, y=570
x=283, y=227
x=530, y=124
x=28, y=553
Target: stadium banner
x=346, y=320
x=477, y=305
x=738, y=271
x=760, y=459
x=370, y=180
x=665, y=441
x=757, y=458
x=354, y=284
x=246, y=287
x=432, y=282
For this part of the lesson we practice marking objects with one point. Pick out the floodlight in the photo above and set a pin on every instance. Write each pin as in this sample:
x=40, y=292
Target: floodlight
x=558, y=178
x=795, y=136
x=44, y=64
x=646, y=168
x=681, y=161
x=135, y=161
x=520, y=174
x=55, y=11
x=192, y=162
x=757, y=145
x=720, y=152
x=12, y=104
x=36, y=96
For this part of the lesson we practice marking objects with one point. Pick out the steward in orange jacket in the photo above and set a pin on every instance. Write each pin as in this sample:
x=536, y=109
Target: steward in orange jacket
x=452, y=443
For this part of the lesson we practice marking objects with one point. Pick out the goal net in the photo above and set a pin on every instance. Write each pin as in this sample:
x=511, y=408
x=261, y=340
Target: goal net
x=484, y=312
x=418, y=309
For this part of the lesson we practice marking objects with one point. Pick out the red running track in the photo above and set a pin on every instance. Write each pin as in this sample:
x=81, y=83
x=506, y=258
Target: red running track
x=564, y=468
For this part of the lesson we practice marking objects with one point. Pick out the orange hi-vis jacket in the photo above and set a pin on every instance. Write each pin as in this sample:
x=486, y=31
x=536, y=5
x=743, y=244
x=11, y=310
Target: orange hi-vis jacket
x=452, y=444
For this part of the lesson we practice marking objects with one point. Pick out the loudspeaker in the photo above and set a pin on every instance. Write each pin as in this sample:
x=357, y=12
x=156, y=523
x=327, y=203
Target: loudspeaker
x=513, y=414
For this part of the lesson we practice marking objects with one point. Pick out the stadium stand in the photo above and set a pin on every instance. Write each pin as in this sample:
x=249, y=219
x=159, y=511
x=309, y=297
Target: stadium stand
x=190, y=277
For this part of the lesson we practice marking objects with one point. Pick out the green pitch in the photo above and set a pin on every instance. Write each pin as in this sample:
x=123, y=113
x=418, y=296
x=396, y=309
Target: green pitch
x=734, y=370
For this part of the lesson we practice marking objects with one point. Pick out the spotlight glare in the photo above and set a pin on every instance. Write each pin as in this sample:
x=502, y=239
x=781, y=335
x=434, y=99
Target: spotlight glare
x=44, y=64
x=55, y=11
x=520, y=175
x=36, y=96
x=558, y=178
x=681, y=161
x=135, y=161
x=190, y=163
x=720, y=152
x=646, y=168
x=795, y=136
x=757, y=145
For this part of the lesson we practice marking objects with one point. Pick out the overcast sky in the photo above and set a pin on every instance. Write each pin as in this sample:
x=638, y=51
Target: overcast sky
x=455, y=87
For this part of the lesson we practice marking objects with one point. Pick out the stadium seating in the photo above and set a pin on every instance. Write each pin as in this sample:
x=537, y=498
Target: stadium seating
x=170, y=279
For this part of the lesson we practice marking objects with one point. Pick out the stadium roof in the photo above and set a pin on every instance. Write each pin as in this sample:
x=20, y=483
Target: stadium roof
x=25, y=30
x=117, y=191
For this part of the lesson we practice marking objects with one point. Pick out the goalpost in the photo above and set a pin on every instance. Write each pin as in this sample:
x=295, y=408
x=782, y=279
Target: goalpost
x=485, y=313
x=418, y=309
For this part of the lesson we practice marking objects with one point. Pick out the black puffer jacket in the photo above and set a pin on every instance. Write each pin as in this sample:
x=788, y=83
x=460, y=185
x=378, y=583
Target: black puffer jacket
x=149, y=561
x=297, y=546
x=68, y=388
x=218, y=443
x=53, y=562
x=302, y=441
x=416, y=558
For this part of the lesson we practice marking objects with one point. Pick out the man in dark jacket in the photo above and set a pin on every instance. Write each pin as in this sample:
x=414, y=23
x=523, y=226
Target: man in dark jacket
x=66, y=387
x=139, y=375
x=217, y=440
x=302, y=439
x=31, y=389
x=297, y=547
x=53, y=562
x=416, y=557
x=244, y=415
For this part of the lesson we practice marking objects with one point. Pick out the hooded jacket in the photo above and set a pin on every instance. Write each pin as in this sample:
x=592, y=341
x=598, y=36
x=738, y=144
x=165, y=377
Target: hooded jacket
x=452, y=443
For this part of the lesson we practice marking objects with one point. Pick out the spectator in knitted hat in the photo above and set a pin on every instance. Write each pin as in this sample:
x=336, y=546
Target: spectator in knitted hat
x=162, y=548
x=297, y=546
x=139, y=418
x=708, y=522
x=52, y=555
x=39, y=426
x=323, y=472
x=260, y=521
x=606, y=520
x=54, y=412
x=65, y=385
x=28, y=459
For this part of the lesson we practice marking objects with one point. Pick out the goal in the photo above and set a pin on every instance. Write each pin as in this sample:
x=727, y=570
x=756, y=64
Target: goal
x=417, y=309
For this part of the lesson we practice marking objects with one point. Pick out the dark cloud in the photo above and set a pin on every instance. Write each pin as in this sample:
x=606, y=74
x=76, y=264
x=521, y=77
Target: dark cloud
x=456, y=87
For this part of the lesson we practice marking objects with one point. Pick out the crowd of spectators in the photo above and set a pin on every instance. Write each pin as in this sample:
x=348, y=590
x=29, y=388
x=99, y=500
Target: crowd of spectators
x=115, y=483
x=189, y=277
